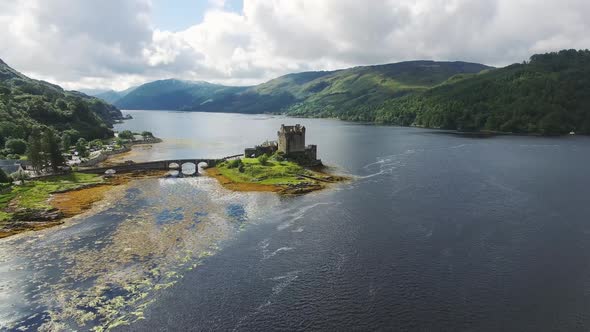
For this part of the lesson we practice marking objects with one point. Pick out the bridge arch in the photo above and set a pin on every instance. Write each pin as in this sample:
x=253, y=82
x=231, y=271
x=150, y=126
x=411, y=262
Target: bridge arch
x=189, y=168
x=174, y=166
x=203, y=164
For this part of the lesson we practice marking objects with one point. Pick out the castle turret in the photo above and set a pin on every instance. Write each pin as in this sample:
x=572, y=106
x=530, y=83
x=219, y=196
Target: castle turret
x=291, y=139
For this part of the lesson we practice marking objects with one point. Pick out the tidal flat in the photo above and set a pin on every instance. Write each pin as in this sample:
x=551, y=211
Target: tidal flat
x=102, y=268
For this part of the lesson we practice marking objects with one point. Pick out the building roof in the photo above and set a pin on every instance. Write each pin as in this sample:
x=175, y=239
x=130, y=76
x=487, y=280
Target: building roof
x=4, y=162
x=9, y=168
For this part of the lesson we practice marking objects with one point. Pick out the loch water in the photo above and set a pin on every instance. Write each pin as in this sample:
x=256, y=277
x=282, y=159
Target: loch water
x=435, y=232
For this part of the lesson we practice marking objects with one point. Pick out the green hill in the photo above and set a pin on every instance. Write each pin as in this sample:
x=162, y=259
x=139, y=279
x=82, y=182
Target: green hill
x=173, y=94
x=550, y=94
x=26, y=103
x=331, y=93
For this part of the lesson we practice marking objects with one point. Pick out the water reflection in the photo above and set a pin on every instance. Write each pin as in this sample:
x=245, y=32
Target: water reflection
x=103, y=271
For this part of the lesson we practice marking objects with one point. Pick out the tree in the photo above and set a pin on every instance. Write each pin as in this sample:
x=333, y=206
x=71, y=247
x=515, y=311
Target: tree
x=235, y=163
x=9, y=129
x=35, y=151
x=96, y=144
x=16, y=145
x=82, y=147
x=119, y=142
x=74, y=135
x=61, y=104
x=66, y=141
x=263, y=159
x=147, y=134
x=126, y=134
x=4, y=91
x=51, y=150
x=4, y=177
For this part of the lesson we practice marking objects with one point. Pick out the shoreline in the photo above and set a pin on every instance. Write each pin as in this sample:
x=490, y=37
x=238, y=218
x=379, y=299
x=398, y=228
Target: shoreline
x=283, y=190
x=69, y=204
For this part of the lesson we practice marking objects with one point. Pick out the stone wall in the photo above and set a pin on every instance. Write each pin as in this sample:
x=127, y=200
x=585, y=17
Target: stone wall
x=259, y=150
x=103, y=156
x=291, y=139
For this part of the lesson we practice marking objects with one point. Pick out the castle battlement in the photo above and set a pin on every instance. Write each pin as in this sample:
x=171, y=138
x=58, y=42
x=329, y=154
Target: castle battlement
x=296, y=129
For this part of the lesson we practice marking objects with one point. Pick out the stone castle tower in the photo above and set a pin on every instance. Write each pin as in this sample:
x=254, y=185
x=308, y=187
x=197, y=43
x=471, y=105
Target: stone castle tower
x=291, y=145
x=291, y=139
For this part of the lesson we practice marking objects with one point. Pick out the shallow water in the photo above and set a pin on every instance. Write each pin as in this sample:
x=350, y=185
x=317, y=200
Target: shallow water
x=436, y=232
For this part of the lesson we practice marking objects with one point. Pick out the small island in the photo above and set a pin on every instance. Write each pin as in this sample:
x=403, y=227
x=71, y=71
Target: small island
x=286, y=166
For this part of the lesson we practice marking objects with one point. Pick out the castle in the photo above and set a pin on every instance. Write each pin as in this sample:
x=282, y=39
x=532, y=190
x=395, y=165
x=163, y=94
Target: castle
x=291, y=144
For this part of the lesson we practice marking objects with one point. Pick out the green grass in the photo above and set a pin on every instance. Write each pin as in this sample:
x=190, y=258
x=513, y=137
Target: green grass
x=34, y=194
x=272, y=173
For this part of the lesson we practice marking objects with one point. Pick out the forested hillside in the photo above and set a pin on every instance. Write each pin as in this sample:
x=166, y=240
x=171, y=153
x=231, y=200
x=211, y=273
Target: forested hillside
x=28, y=105
x=172, y=94
x=331, y=93
x=550, y=94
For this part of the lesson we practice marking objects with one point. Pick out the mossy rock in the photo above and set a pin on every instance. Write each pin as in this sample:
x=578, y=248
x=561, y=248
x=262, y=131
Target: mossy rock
x=37, y=215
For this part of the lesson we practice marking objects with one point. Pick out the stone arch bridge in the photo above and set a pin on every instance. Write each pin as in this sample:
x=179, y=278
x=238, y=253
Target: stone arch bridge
x=162, y=165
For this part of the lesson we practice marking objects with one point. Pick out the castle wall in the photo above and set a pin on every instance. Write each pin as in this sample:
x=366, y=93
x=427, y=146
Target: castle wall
x=259, y=150
x=312, y=152
x=296, y=142
x=283, y=143
x=291, y=139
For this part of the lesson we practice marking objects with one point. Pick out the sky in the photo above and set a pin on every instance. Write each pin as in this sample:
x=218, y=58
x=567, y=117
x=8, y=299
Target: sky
x=115, y=44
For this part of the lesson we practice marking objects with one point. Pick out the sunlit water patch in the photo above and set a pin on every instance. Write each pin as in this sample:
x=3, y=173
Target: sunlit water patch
x=106, y=269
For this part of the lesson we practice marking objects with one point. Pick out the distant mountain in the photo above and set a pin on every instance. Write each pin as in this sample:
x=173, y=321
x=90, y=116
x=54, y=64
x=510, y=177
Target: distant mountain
x=308, y=93
x=26, y=103
x=93, y=92
x=110, y=96
x=173, y=94
x=331, y=93
x=550, y=94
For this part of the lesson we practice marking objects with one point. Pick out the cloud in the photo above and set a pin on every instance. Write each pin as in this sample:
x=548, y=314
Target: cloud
x=114, y=44
x=217, y=3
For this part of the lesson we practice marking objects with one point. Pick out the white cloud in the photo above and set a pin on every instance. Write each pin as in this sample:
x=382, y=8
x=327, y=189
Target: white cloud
x=113, y=43
x=217, y=3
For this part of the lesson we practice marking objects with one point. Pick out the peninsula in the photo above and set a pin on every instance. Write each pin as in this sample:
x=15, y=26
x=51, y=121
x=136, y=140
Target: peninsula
x=285, y=166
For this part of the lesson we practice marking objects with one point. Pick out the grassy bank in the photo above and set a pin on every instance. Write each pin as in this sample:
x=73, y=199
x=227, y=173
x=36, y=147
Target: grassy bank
x=35, y=194
x=272, y=172
x=252, y=174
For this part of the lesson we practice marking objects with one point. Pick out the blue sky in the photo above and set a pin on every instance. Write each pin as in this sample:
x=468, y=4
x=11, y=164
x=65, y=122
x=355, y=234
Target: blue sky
x=175, y=15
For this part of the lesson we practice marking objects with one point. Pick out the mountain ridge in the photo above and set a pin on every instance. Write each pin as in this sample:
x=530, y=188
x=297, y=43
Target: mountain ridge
x=297, y=90
x=436, y=94
x=172, y=94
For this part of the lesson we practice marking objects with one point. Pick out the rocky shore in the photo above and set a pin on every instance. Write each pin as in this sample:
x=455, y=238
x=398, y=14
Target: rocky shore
x=63, y=204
